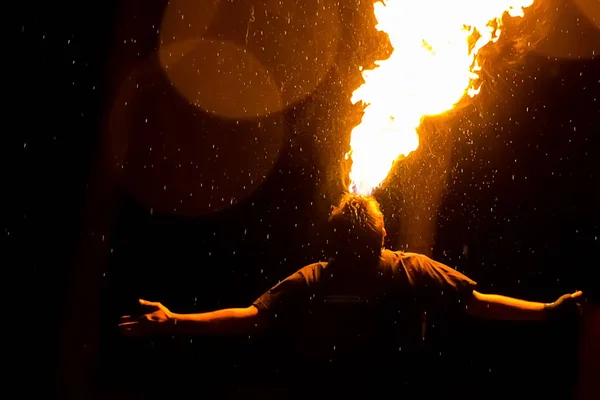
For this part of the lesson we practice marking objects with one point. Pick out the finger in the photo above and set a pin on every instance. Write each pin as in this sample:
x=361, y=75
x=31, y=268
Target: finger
x=127, y=324
x=148, y=317
x=576, y=294
x=149, y=303
x=156, y=304
x=128, y=329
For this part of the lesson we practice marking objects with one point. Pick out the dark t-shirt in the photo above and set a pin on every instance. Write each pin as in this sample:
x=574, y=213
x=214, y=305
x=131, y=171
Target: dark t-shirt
x=341, y=318
x=397, y=276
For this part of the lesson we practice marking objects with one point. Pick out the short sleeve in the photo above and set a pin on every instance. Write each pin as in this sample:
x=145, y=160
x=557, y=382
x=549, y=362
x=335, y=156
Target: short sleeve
x=440, y=286
x=283, y=295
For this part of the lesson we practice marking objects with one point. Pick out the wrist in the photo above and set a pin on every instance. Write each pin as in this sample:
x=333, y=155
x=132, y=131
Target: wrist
x=174, y=318
x=172, y=321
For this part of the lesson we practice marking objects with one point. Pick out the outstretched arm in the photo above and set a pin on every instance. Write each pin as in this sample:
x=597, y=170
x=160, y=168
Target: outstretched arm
x=494, y=306
x=162, y=320
x=226, y=321
x=229, y=320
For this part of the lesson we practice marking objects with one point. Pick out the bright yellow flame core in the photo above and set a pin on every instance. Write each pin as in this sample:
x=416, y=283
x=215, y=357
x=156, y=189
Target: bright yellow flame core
x=433, y=65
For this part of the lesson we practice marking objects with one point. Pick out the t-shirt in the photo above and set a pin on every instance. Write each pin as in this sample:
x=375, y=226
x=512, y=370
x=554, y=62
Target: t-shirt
x=397, y=276
x=360, y=324
x=351, y=322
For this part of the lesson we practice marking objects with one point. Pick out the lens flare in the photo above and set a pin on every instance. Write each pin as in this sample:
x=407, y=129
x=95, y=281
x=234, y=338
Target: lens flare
x=434, y=63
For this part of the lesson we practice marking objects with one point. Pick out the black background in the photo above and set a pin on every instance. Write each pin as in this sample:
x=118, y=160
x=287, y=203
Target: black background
x=505, y=189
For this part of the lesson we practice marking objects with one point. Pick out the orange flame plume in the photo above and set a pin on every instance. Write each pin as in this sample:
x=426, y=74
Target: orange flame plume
x=433, y=65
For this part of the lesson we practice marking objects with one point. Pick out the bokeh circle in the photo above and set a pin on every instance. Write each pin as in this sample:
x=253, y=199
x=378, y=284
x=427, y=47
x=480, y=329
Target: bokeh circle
x=249, y=59
x=174, y=158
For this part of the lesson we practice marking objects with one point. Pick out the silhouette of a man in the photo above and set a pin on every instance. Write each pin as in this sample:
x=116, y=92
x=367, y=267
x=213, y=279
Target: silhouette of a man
x=360, y=270
x=364, y=292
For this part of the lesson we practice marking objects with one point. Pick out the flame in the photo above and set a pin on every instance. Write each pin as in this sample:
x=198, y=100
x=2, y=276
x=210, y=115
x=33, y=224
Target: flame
x=433, y=65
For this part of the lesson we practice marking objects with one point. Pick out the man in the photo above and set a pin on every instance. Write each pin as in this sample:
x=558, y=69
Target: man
x=347, y=320
x=360, y=271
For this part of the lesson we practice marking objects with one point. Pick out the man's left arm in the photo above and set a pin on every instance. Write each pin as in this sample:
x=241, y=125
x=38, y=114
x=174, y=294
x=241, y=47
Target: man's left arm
x=494, y=306
x=444, y=285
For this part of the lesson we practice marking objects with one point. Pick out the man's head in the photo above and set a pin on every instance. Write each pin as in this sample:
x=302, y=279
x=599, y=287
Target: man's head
x=357, y=225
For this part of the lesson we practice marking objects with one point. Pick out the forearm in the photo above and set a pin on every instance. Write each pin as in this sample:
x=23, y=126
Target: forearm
x=230, y=320
x=494, y=306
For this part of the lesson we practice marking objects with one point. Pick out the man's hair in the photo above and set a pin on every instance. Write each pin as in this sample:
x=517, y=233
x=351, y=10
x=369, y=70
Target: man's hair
x=357, y=225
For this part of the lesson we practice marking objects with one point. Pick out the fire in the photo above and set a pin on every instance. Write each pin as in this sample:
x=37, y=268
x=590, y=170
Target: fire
x=433, y=65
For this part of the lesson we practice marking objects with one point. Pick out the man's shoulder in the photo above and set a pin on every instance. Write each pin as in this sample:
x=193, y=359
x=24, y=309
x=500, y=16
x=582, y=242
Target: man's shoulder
x=405, y=262
x=312, y=272
x=406, y=256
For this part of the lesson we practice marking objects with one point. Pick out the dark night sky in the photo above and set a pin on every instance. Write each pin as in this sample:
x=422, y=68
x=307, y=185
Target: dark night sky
x=128, y=189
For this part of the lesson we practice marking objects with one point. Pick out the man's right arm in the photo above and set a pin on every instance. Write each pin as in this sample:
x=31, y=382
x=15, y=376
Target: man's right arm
x=494, y=306
x=230, y=320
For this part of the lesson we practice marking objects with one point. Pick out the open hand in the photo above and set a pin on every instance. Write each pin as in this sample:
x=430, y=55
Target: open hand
x=155, y=322
x=566, y=305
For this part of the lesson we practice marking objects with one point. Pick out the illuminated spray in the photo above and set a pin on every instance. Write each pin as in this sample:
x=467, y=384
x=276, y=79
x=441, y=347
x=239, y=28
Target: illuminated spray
x=432, y=66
